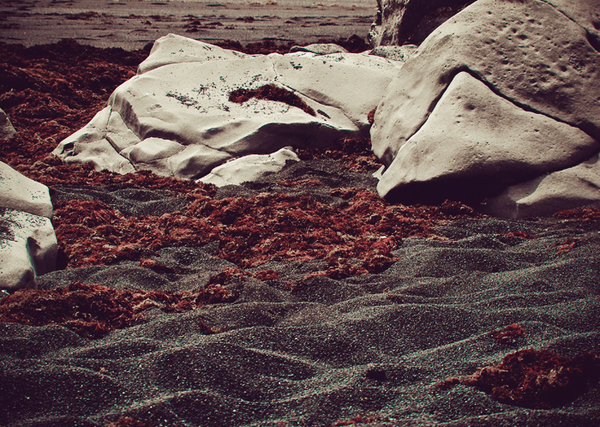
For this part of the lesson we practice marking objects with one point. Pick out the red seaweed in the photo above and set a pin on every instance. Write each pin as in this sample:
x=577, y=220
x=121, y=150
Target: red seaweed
x=93, y=311
x=532, y=378
x=271, y=92
x=509, y=335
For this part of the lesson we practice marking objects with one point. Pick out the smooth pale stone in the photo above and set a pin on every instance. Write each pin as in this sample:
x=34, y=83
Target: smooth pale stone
x=319, y=48
x=354, y=83
x=89, y=145
x=565, y=189
x=189, y=103
x=395, y=53
x=7, y=130
x=249, y=168
x=173, y=48
x=28, y=248
x=195, y=161
x=151, y=149
x=118, y=134
x=478, y=141
x=23, y=194
x=528, y=51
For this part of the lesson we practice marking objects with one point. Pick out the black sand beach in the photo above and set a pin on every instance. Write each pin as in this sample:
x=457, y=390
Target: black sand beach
x=291, y=341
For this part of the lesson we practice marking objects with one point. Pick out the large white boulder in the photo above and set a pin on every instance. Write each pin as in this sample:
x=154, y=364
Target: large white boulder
x=476, y=142
x=28, y=245
x=177, y=117
x=541, y=67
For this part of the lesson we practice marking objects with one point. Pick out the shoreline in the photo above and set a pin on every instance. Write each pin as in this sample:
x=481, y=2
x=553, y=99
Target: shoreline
x=132, y=25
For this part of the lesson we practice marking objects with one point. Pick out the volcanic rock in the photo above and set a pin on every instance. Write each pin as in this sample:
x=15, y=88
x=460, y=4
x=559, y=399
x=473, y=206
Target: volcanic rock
x=181, y=115
x=528, y=54
x=28, y=245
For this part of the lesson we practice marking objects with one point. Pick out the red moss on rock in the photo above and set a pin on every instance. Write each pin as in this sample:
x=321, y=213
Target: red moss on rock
x=93, y=311
x=271, y=92
x=532, y=378
x=509, y=335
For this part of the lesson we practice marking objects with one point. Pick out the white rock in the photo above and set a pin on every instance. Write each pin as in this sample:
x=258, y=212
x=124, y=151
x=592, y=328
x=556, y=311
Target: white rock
x=180, y=98
x=528, y=51
x=7, y=130
x=24, y=194
x=28, y=248
x=249, y=168
x=565, y=189
x=175, y=49
x=475, y=140
x=90, y=145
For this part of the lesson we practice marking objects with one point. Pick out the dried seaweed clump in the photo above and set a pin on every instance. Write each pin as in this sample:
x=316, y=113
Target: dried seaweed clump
x=509, y=335
x=355, y=239
x=93, y=311
x=271, y=92
x=538, y=379
x=589, y=213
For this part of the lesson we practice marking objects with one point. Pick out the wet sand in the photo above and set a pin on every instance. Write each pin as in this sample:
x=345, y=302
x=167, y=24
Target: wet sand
x=133, y=24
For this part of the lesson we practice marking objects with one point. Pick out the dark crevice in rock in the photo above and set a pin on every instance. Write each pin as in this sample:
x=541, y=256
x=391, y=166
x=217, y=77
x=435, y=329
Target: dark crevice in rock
x=593, y=40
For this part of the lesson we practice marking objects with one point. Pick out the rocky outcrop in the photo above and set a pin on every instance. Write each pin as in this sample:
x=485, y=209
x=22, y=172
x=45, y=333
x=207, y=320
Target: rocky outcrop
x=28, y=245
x=502, y=94
x=400, y=22
x=194, y=106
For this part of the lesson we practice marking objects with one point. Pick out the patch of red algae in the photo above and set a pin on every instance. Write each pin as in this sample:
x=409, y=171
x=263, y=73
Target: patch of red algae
x=271, y=92
x=585, y=214
x=509, y=335
x=355, y=152
x=253, y=231
x=530, y=378
x=129, y=422
x=52, y=90
x=93, y=311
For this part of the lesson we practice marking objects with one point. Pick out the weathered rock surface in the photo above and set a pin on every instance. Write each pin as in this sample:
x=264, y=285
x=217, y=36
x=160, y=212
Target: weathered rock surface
x=28, y=245
x=544, y=195
x=534, y=59
x=179, y=116
x=7, y=130
x=475, y=141
x=401, y=22
x=249, y=168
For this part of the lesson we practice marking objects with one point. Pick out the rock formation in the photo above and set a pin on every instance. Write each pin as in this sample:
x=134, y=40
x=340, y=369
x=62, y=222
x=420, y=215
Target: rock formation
x=28, y=245
x=182, y=115
x=504, y=93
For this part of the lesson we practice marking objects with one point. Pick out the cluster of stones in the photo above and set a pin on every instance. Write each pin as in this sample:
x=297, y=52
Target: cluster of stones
x=499, y=106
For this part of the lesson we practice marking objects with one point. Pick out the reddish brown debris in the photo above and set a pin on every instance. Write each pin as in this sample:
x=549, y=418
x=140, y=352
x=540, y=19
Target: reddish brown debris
x=563, y=247
x=94, y=310
x=509, y=335
x=297, y=182
x=271, y=92
x=371, y=116
x=585, y=214
x=533, y=378
x=520, y=235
